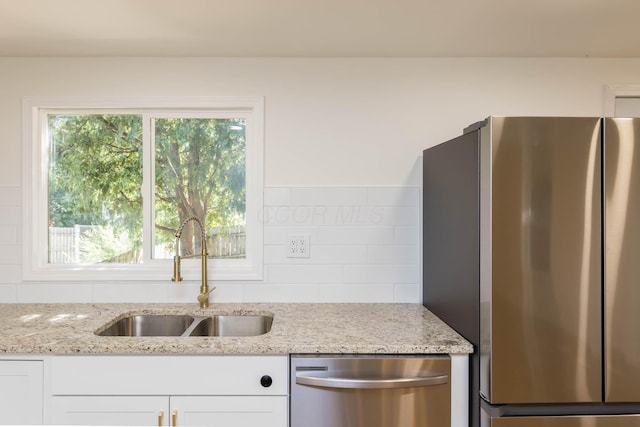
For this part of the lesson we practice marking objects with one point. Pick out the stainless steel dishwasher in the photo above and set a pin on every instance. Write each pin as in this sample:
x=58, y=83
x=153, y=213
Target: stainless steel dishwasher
x=370, y=391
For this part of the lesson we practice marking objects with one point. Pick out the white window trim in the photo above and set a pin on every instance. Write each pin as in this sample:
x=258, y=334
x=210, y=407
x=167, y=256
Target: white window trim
x=35, y=266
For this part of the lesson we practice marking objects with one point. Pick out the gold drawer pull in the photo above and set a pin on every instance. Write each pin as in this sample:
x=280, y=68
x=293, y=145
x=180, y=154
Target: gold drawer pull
x=160, y=418
x=174, y=418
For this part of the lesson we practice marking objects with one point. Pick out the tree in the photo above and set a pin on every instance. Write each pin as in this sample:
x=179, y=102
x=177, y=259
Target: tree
x=200, y=171
x=95, y=174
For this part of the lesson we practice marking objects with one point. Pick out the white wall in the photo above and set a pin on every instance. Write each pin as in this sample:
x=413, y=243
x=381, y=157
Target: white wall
x=329, y=123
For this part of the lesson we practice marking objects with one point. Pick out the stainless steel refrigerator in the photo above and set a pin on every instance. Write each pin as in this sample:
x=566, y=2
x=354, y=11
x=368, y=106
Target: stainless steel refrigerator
x=532, y=252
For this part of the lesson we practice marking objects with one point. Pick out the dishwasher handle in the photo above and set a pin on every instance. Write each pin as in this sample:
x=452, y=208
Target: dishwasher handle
x=371, y=383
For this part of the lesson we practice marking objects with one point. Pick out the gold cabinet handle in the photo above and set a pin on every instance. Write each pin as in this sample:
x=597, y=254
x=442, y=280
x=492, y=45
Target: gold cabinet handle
x=160, y=418
x=174, y=418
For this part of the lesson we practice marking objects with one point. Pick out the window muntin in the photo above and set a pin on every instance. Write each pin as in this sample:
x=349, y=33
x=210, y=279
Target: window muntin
x=235, y=124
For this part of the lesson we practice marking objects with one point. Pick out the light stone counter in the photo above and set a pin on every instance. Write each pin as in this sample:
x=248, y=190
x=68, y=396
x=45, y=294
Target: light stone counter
x=297, y=328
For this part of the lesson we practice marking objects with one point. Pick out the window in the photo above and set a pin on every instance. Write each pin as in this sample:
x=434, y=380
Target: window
x=108, y=182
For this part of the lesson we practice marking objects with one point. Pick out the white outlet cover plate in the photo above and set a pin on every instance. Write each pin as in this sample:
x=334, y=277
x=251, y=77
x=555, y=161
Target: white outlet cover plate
x=297, y=246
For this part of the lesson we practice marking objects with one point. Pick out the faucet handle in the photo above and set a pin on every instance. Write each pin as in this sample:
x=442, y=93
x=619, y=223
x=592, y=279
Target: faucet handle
x=209, y=291
x=203, y=298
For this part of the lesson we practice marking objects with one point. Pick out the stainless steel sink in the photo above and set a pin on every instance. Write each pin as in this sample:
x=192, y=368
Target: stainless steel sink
x=232, y=326
x=149, y=325
x=173, y=325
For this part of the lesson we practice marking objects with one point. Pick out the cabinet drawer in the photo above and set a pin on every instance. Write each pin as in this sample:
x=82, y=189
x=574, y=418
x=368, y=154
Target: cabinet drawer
x=168, y=375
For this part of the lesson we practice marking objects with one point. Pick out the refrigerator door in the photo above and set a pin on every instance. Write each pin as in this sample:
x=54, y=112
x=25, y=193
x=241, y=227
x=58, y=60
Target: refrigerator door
x=569, y=421
x=541, y=272
x=622, y=265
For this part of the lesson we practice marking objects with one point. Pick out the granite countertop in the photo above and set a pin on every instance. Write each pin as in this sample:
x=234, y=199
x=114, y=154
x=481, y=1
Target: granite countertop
x=297, y=328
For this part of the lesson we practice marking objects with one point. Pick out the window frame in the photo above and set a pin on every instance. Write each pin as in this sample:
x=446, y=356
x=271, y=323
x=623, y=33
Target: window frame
x=35, y=189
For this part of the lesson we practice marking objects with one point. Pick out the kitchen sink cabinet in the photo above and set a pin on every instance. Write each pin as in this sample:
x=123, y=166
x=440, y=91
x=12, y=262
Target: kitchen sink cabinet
x=21, y=392
x=169, y=390
x=241, y=411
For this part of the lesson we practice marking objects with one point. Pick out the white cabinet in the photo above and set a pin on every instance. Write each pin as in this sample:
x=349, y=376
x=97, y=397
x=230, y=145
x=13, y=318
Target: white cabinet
x=169, y=390
x=239, y=411
x=21, y=391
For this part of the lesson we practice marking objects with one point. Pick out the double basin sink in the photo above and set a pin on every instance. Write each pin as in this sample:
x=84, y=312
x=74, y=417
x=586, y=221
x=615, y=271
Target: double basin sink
x=175, y=325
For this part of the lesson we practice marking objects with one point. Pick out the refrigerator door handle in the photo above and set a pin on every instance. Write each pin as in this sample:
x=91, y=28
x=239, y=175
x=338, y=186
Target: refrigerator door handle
x=370, y=383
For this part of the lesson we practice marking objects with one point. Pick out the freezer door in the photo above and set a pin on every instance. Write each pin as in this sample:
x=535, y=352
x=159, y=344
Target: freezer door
x=622, y=264
x=569, y=421
x=543, y=276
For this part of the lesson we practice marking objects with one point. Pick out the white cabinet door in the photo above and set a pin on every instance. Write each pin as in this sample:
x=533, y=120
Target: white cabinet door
x=236, y=411
x=110, y=410
x=201, y=390
x=21, y=392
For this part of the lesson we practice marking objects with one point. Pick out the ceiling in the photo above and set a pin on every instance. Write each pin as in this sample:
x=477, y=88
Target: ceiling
x=321, y=28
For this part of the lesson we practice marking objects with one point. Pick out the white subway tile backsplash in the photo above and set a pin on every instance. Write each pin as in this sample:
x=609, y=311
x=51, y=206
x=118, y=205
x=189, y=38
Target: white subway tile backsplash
x=328, y=196
x=371, y=273
x=274, y=254
x=8, y=294
x=8, y=235
x=357, y=215
x=298, y=216
x=278, y=235
x=407, y=293
x=305, y=274
x=406, y=235
x=10, y=196
x=130, y=292
x=319, y=254
x=400, y=215
x=402, y=196
x=356, y=235
x=401, y=255
x=364, y=247
x=280, y=293
x=343, y=254
x=356, y=293
x=10, y=254
x=10, y=274
x=277, y=196
x=226, y=292
x=10, y=215
x=54, y=293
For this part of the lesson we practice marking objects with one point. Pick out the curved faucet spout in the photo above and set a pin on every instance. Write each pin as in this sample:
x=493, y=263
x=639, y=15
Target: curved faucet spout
x=203, y=297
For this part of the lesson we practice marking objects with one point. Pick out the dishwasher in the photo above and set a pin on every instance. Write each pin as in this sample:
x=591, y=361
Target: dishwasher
x=370, y=391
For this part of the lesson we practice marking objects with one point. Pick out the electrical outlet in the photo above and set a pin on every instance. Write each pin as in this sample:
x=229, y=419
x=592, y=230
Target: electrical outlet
x=297, y=246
